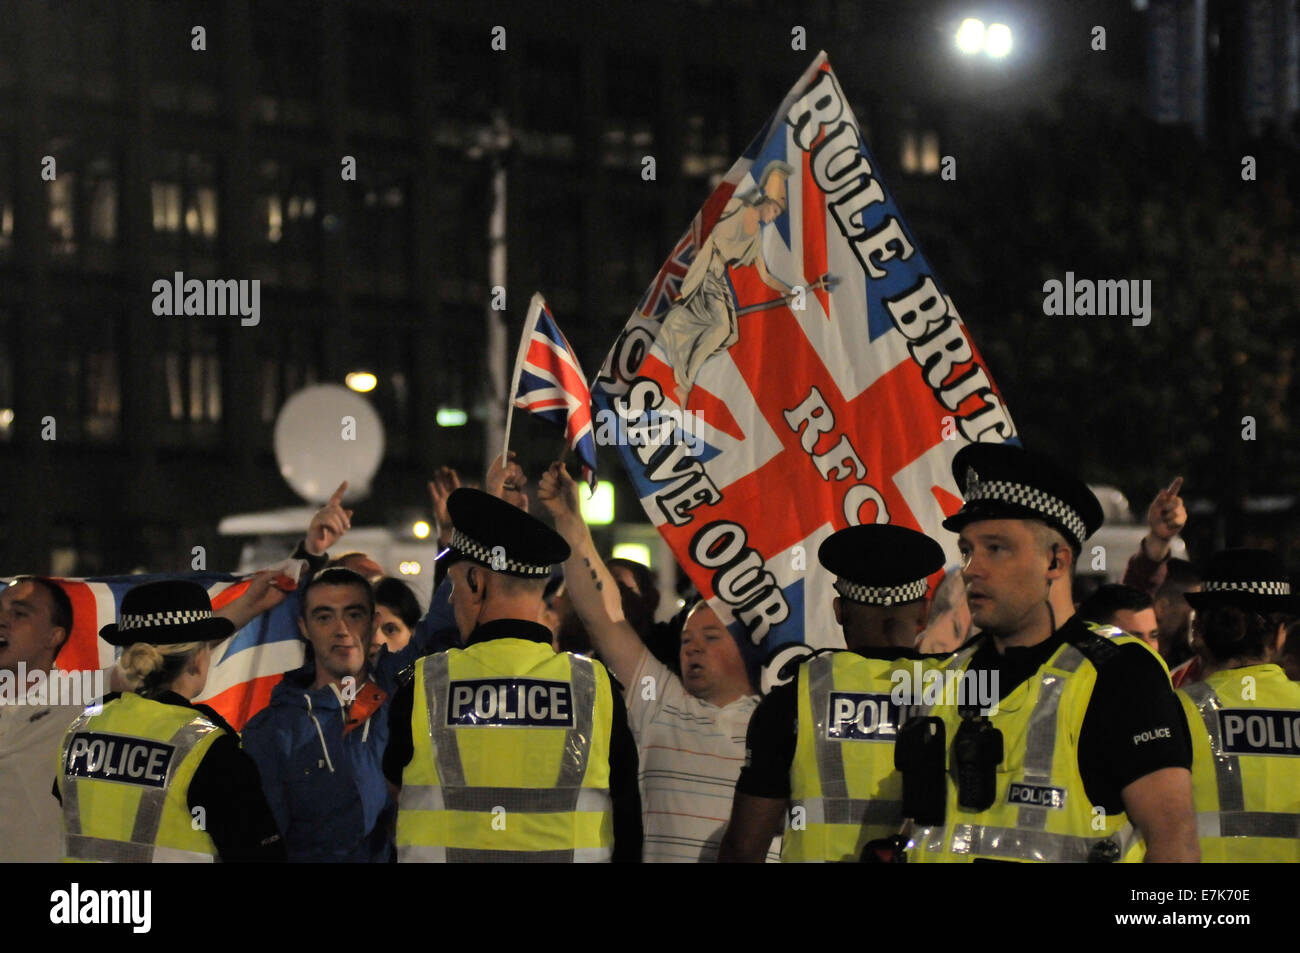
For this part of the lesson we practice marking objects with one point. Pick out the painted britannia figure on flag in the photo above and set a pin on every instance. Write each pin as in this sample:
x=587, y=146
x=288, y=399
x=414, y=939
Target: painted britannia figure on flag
x=703, y=321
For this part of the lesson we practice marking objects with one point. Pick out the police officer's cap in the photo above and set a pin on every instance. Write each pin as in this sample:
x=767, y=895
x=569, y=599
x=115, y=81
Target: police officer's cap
x=1251, y=579
x=1001, y=481
x=880, y=564
x=167, y=612
x=500, y=536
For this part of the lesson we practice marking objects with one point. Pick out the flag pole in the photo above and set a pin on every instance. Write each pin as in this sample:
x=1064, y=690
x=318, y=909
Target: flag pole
x=535, y=306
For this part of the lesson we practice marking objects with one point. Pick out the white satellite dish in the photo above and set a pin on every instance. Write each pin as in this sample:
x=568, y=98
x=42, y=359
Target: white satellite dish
x=326, y=434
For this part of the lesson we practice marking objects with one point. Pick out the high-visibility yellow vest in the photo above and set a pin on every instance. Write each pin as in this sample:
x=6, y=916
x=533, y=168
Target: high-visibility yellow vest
x=844, y=790
x=124, y=777
x=1041, y=811
x=511, y=757
x=1245, y=725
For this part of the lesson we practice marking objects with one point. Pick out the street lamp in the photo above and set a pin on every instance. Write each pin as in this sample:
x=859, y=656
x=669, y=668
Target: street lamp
x=970, y=36
x=997, y=41
x=363, y=382
x=973, y=37
x=494, y=144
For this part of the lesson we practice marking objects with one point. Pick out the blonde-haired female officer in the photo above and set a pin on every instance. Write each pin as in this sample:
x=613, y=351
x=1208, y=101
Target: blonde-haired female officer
x=146, y=776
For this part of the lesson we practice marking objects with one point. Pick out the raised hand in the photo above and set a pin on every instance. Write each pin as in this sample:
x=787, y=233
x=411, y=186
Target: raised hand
x=445, y=482
x=506, y=480
x=262, y=594
x=1167, y=515
x=329, y=524
x=559, y=494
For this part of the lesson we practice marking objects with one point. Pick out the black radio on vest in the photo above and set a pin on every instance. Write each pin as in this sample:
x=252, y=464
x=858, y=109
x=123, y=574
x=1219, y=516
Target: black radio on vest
x=919, y=755
x=976, y=753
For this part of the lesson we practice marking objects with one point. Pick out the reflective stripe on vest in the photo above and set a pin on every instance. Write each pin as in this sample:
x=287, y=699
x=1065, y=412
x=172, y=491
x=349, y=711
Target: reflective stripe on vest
x=1227, y=772
x=443, y=855
x=142, y=846
x=121, y=852
x=1019, y=844
x=847, y=810
x=1248, y=824
x=1040, y=741
x=430, y=797
x=830, y=757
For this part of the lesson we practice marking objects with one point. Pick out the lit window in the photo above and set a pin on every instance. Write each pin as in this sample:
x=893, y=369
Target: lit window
x=103, y=211
x=166, y=207
x=62, y=228
x=175, y=391
x=908, y=157
x=201, y=216
x=929, y=153
x=103, y=400
x=274, y=220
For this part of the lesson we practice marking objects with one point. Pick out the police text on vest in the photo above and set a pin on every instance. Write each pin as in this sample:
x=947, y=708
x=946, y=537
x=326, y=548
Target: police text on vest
x=1037, y=795
x=1153, y=735
x=862, y=716
x=1260, y=731
x=77, y=906
x=510, y=702
x=122, y=758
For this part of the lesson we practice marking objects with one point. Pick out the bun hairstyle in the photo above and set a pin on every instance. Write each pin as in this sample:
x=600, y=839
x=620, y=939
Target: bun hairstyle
x=149, y=670
x=1232, y=633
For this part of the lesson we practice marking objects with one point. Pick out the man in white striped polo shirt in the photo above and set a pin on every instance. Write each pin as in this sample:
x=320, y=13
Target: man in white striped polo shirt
x=690, y=729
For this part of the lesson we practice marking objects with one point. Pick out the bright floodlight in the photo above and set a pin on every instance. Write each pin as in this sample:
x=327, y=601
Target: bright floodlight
x=637, y=552
x=598, y=510
x=970, y=35
x=363, y=382
x=998, y=40
x=421, y=529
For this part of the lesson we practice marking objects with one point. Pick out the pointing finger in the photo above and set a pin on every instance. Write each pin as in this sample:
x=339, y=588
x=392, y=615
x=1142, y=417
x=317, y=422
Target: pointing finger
x=1175, y=486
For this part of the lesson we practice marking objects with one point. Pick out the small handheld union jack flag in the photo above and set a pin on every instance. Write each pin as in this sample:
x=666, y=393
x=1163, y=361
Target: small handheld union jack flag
x=548, y=383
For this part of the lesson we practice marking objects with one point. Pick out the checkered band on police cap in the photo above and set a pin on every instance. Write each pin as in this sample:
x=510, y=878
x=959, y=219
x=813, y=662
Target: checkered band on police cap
x=1018, y=494
x=484, y=554
x=882, y=595
x=151, y=619
x=1265, y=588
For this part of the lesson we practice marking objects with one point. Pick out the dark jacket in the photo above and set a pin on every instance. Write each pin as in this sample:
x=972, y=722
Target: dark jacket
x=323, y=774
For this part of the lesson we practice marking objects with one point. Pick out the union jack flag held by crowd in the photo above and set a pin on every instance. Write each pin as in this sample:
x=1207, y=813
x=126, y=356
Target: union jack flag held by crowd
x=550, y=384
x=801, y=334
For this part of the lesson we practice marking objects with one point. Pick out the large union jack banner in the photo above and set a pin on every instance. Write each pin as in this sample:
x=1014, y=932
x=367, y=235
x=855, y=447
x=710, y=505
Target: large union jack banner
x=800, y=333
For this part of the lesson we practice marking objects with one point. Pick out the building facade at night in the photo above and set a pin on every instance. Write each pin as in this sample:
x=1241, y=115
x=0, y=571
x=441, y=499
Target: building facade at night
x=225, y=163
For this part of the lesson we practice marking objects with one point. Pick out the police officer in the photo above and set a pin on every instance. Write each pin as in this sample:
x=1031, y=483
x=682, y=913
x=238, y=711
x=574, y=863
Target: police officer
x=1245, y=716
x=146, y=776
x=822, y=745
x=506, y=749
x=1084, y=742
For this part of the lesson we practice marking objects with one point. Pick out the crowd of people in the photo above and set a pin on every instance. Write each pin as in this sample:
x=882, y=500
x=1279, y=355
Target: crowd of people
x=552, y=704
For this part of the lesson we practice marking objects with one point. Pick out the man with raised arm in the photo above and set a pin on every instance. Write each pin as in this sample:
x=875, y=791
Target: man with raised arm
x=690, y=730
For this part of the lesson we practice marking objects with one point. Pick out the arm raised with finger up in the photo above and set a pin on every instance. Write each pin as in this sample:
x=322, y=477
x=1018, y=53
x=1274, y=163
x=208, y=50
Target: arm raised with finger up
x=590, y=586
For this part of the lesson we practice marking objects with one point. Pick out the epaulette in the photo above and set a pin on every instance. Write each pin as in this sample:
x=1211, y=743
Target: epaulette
x=788, y=670
x=1095, y=648
x=969, y=643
